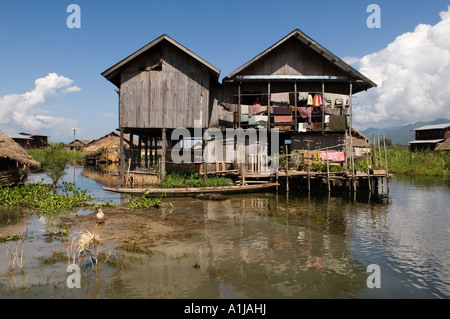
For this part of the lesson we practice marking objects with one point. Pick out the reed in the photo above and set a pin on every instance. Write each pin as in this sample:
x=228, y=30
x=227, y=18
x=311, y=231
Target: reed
x=431, y=163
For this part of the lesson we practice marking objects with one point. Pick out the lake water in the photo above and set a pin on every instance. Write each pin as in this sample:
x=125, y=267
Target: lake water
x=260, y=245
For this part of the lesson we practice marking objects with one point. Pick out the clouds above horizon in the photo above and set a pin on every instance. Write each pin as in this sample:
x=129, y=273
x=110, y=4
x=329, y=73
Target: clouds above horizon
x=413, y=78
x=31, y=111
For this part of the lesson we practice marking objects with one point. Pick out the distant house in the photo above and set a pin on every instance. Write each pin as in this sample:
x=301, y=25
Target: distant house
x=20, y=139
x=37, y=140
x=13, y=158
x=428, y=137
x=77, y=144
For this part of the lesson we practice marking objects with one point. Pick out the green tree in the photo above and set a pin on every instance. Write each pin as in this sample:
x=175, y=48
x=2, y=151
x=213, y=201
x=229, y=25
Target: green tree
x=54, y=161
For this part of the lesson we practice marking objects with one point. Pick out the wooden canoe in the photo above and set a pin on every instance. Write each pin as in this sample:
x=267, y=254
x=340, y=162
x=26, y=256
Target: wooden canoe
x=189, y=191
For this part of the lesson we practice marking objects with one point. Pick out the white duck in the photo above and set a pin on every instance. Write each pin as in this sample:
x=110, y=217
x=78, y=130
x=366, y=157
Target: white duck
x=100, y=216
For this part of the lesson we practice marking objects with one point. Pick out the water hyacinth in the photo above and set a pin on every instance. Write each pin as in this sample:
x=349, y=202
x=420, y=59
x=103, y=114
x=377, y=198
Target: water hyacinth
x=42, y=199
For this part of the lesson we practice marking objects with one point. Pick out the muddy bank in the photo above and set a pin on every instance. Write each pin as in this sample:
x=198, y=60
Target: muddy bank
x=135, y=230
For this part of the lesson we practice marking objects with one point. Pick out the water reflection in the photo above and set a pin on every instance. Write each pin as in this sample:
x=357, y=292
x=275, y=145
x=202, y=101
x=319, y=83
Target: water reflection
x=268, y=246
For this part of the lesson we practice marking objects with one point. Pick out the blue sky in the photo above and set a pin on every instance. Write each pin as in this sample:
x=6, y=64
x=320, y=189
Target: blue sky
x=35, y=42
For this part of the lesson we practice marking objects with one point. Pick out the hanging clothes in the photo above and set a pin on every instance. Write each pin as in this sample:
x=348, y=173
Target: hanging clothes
x=244, y=109
x=305, y=112
x=230, y=107
x=280, y=99
x=317, y=100
x=283, y=119
x=310, y=100
x=281, y=110
x=256, y=110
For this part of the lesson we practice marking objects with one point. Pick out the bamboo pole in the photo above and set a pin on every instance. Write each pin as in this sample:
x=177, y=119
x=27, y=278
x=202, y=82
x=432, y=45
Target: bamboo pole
x=368, y=173
x=295, y=105
x=287, y=169
x=386, y=162
x=323, y=109
x=374, y=155
x=328, y=174
x=309, y=172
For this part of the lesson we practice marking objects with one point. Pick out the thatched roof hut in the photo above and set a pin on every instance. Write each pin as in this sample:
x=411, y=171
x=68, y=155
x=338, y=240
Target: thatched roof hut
x=105, y=149
x=77, y=144
x=444, y=146
x=10, y=150
x=359, y=140
x=12, y=158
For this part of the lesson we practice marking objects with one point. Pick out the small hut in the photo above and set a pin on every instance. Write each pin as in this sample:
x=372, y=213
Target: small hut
x=444, y=146
x=13, y=159
x=106, y=149
x=77, y=144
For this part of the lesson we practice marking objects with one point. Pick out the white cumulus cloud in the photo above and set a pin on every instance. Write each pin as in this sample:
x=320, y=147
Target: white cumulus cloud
x=413, y=77
x=29, y=111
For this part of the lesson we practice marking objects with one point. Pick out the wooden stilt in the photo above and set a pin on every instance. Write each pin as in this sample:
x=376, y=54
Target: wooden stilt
x=163, y=154
x=309, y=173
x=122, y=157
x=146, y=151
x=328, y=174
x=287, y=169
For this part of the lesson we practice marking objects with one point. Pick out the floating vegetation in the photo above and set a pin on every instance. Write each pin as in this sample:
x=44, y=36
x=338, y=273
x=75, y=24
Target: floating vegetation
x=41, y=198
x=144, y=201
x=10, y=237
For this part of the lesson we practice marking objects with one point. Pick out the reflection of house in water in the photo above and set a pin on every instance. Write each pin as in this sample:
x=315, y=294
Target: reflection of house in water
x=14, y=160
x=107, y=174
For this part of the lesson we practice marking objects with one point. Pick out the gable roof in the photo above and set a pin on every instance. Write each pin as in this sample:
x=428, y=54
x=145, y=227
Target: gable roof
x=110, y=73
x=10, y=149
x=364, y=82
x=432, y=127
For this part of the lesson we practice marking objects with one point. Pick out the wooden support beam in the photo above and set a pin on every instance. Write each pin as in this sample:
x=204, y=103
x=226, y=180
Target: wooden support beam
x=121, y=158
x=163, y=154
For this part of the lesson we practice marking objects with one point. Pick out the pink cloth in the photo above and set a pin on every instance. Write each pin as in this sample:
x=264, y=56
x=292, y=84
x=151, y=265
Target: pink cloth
x=256, y=110
x=305, y=112
x=333, y=156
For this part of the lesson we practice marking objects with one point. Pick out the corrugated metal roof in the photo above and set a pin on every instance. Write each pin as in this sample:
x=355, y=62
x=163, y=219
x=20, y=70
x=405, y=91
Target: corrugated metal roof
x=432, y=127
x=426, y=141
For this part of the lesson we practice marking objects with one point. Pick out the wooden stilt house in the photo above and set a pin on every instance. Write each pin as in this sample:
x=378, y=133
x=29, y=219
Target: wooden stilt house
x=296, y=87
x=164, y=86
x=300, y=88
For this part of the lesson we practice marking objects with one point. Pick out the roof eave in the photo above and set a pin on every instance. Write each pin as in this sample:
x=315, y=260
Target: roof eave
x=110, y=72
